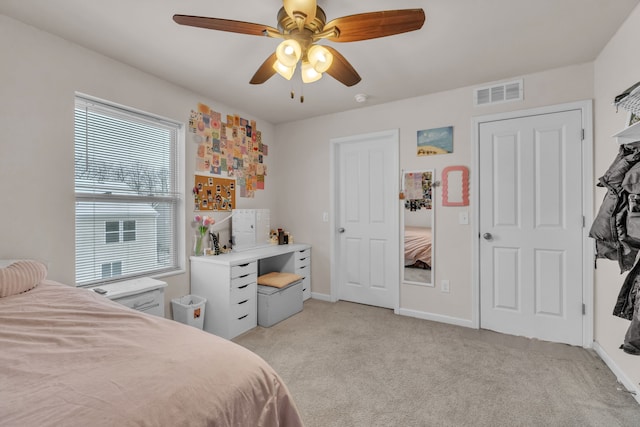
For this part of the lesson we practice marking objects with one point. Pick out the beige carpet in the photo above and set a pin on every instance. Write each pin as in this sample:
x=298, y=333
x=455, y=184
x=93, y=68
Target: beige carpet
x=355, y=365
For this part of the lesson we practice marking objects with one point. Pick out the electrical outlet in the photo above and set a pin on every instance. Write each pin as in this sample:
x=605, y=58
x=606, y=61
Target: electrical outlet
x=444, y=286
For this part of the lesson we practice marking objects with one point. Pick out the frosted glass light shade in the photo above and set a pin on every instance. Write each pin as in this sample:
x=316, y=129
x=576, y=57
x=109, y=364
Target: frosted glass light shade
x=288, y=52
x=320, y=58
x=309, y=74
x=283, y=70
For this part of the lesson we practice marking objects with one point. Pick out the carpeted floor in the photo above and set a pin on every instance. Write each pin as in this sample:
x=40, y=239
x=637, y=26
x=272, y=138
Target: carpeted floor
x=354, y=365
x=421, y=275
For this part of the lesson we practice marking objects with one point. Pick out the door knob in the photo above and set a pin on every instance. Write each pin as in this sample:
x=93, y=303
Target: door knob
x=340, y=230
x=487, y=236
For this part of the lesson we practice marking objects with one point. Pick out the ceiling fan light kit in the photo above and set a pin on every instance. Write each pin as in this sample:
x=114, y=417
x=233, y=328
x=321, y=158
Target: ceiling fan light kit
x=283, y=70
x=309, y=74
x=301, y=23
x=320, y=58
x=289, y=52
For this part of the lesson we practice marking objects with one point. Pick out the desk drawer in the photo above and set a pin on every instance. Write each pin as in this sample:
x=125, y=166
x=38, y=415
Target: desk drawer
x=242, y=294
x=244, y=269
x=306, y=288
x=305, y=253
x=243, y=317
x=303, y=270
x=242, y=281
x=302, y=262
x=151, y=302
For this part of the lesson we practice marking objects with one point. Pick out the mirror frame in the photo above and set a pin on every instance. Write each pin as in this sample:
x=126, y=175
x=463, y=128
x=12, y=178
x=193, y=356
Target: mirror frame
x=446, y=187
x=403, y=199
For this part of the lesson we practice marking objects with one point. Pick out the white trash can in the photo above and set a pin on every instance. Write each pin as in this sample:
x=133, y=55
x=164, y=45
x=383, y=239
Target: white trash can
x=189, y=310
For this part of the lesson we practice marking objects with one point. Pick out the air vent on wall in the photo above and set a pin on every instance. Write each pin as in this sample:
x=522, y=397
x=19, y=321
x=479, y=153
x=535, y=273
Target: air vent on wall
x=497, y=93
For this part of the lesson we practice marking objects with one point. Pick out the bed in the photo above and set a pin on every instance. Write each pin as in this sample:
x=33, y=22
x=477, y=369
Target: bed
x=417, y=246
x=69, y=356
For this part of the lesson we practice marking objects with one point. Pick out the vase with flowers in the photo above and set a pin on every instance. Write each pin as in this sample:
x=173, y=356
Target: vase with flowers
x=202, y=224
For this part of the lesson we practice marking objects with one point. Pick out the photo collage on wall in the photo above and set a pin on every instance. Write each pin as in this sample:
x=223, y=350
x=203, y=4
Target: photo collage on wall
x=214, y=194
x=232, y=149
x=418, y=190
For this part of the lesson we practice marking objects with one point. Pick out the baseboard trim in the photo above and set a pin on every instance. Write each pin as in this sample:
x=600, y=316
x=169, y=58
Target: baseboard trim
x=619, y=373
x=321, y=297
x=436, y=317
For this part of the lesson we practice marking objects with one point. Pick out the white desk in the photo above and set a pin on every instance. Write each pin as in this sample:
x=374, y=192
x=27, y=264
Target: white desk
x=229, y=283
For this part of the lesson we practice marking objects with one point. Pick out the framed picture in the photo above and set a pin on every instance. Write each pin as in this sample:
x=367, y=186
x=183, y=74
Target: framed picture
x=435, y=141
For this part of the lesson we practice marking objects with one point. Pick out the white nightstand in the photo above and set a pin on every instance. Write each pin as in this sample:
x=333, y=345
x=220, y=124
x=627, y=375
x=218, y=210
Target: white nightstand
x=145, y=294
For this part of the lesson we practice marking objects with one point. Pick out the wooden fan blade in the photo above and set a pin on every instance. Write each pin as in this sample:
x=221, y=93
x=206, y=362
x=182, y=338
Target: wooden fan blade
x=372, y=25
x=341, y=70
x=265, y=71
x=224, y=25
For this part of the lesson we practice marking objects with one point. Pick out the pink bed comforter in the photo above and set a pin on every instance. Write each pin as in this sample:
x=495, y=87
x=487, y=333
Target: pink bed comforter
x=71, y=357
x=417, y=245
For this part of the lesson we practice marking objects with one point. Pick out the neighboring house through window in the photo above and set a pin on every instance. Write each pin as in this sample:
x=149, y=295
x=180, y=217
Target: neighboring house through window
x=127, y=192
x=112, y=232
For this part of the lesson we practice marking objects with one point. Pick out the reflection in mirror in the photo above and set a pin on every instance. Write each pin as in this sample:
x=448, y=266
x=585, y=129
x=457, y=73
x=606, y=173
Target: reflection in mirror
x=418, y=222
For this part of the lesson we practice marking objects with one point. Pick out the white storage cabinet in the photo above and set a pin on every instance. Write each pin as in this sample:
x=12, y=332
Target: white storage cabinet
x=231, y=293
x=229, y=283
x=144, y=294
x=302, y=267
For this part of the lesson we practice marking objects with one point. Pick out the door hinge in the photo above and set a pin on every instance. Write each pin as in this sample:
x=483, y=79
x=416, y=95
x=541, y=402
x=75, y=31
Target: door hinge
x=584, y=309
x=583, y=221
x=583, y=134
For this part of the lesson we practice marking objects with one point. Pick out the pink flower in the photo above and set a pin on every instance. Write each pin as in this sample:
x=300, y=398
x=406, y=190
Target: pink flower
x=203, y=223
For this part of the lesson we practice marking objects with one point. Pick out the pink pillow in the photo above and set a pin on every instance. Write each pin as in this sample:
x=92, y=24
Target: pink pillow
x=21, y=276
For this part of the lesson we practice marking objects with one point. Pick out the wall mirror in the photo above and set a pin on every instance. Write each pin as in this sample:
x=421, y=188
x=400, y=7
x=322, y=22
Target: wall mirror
x=455, y=186
x=417, y=224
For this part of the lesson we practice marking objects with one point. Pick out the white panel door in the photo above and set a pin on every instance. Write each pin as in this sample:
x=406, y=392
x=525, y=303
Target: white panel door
x=531, y=226
x=368, y=220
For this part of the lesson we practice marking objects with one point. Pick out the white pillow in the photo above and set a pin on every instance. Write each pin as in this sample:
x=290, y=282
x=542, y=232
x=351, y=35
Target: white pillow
x=21, y=276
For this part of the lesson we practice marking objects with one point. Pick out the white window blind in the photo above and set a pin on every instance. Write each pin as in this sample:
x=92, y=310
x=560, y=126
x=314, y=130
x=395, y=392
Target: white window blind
x=126, y=190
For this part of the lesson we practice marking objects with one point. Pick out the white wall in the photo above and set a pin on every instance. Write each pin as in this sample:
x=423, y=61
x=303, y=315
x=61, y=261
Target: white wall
x=304, y=153
x=38, y=78
x=616, y=68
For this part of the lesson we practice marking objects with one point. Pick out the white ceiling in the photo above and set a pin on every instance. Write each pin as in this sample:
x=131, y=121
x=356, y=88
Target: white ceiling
x=463, y=42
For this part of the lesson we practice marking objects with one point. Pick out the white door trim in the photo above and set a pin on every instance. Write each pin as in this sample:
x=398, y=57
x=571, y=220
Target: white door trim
x=586, y=109
x=334, y=242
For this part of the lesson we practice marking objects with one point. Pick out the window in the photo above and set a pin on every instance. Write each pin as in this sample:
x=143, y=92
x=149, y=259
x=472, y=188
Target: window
x=127, y=192
x=112, y=231
x=128, y=231
x=111, y=269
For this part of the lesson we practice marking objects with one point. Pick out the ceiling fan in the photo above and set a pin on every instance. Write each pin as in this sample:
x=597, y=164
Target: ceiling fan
x=301, y=23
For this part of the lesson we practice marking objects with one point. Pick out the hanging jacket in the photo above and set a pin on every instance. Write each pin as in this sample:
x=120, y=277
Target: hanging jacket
x=616, y=230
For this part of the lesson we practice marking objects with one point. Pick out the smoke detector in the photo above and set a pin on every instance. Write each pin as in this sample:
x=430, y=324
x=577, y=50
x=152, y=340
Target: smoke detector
x=361, y=97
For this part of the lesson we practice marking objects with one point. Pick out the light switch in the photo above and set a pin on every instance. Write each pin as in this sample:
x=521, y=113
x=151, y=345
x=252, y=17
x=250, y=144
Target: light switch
x=463, y=218
x=325, y=216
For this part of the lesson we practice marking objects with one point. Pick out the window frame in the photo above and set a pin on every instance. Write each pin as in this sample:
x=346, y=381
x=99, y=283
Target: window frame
x=172, y=199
